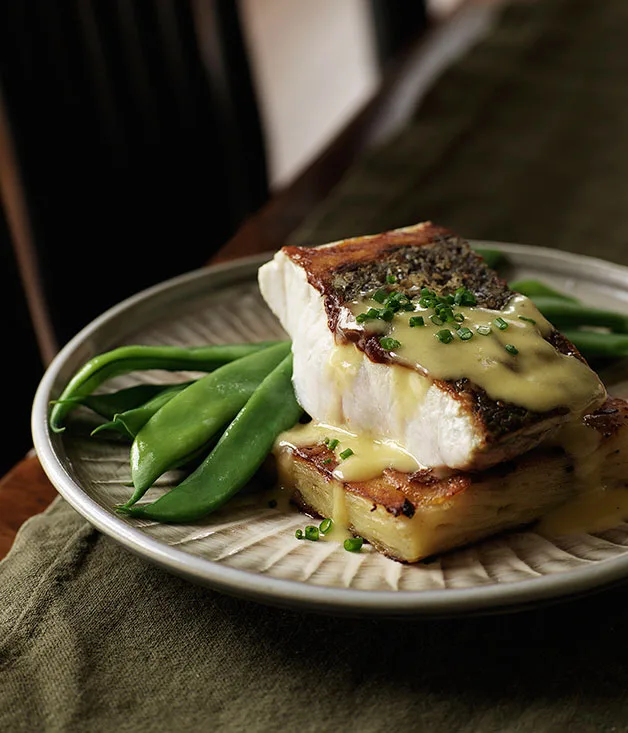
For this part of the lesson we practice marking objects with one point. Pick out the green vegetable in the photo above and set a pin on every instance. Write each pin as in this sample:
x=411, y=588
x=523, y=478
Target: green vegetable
x=501, y=323
x=444, y=336
x=598, y=344
x=111, y=403
x=464, y=333
x=416, y=321
x=346, y=454
x=563, y=313
x=493, y=257
x=388, y=343
x=332, y=444
x=353, y=544
x=311, y=533
x=192, y=417
x=132, y=358
x=533, y=288
x=129, y=422
x=511, y=349
x=325, y=526
x=238, y=454
x=484, y=330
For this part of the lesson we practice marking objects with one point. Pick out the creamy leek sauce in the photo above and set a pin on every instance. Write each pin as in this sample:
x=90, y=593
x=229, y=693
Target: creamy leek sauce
x=595, y=507
x=370, y=456
x=537, y=377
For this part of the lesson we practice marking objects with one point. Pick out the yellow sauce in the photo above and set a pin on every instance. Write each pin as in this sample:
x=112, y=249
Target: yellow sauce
x=538, y=377
x=369, y=458
x=595, y=507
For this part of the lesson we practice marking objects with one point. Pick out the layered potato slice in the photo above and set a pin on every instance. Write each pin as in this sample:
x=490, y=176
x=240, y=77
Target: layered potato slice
x=410, y=517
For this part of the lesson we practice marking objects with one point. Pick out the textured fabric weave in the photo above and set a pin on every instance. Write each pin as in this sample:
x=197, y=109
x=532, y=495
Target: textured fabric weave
x=524, y=140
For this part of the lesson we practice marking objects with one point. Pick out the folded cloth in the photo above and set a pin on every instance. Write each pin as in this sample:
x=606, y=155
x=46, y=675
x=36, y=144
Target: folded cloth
x=522, y=140
x=93, y=638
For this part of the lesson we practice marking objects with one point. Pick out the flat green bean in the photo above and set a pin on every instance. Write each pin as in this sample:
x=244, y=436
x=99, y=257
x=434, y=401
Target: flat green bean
x=110, y=403
x=563, y=313
x=134, y=358
x=494, y=258
x=593, y=344
x=238, y=454
x=534, y=288
x=192, y=417
x=129, y=422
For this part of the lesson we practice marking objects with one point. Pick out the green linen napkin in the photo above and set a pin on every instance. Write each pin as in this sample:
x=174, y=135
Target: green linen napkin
x=95, y=639
x=522, y=140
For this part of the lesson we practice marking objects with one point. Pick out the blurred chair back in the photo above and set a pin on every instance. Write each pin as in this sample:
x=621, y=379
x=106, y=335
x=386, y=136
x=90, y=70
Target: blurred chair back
x=137, y=139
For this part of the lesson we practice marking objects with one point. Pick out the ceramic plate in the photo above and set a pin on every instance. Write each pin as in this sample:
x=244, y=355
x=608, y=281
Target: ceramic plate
x=248, y=549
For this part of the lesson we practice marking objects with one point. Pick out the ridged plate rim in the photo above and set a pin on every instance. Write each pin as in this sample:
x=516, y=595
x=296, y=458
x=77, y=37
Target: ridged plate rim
x=515, y=595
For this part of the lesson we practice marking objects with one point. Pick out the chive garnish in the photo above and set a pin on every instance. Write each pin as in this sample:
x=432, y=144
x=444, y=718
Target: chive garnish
x=444, y=336
x=436, y=320
x=464, y=333
x=299, y=534
x=416, y=321
x=425, y=292
x=325, y=526
x=380, y=295
x=390, y=279
x=332, y=444
x=386, y=314
x=388, y=344
x=311, y=533
x=484, y=330
x=529, y=320
x=353, y=544
x=346, y=453
x=458, y=317
x=511, y=349
x=500, y=323
x=326, y=461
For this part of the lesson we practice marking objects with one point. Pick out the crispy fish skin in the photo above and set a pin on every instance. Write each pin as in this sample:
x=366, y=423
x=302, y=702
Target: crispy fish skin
x=410, y=517
x=456, y=425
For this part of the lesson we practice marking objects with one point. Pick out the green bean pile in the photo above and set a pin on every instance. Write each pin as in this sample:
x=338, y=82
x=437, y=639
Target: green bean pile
x=228, y=419
x=222, y=426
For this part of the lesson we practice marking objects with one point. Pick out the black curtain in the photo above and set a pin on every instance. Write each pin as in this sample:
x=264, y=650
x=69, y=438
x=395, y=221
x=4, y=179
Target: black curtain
x=136, y=129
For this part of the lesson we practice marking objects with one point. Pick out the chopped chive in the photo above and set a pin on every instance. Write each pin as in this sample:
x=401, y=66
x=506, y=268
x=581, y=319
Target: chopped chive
x=386, y=314
x=299, y=534
x=272, y=503
x=326, y=461
x=416, y=321
x=458, y=317
x=372, y=312
x=500, y=323
x=425, y=302
x=380, y=295
x=444, y=336
x=390, y=279
x=346, y=453
x=361, y=318
x=463, y=296
x=484, y=330
x=388, y=344
x=332, y=444
x=529, y=320
x=425, y=292
x=436, y=320
x=325, y=526
x=353, y=544
x=311, y=533
x=511, y=349
x=464, y=333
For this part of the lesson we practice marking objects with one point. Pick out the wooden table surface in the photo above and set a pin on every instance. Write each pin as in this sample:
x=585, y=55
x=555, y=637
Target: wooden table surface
x=25, y=490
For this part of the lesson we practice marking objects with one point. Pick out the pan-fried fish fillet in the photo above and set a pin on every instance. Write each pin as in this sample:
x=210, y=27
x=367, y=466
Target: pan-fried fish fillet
x=413, y=516
x=342, y=375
